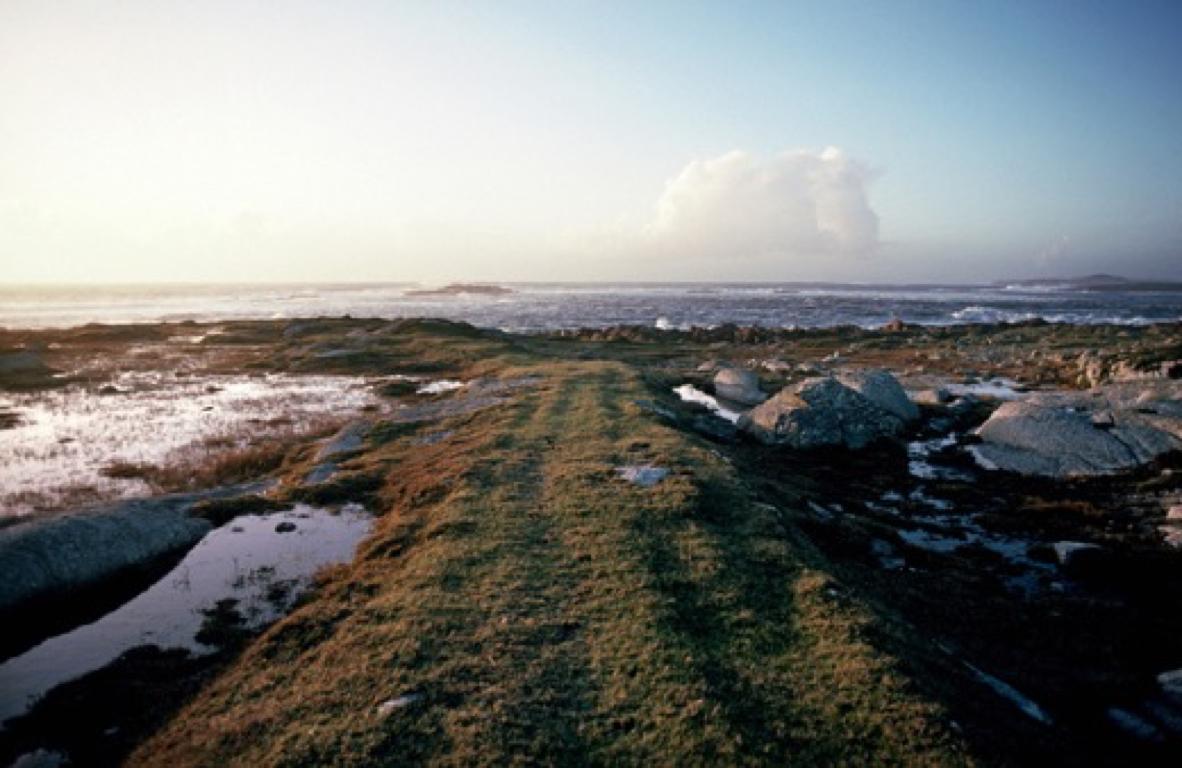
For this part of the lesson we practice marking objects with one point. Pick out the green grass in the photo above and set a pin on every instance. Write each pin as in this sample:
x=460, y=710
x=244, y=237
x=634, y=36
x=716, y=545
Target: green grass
x=545, y=611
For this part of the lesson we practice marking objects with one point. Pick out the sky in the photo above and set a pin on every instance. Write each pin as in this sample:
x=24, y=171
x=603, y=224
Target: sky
x=435, y=141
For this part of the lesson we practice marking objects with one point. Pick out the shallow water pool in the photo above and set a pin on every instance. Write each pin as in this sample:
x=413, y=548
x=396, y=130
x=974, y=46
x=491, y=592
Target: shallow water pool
x=248, y=560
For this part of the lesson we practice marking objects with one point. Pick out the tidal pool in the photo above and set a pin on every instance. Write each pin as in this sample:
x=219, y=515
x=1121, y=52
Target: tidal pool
x=261, y=561
x=63, y=440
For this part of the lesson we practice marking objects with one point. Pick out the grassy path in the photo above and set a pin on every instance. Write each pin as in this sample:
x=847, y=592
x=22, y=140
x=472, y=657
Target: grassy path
x=531, y=607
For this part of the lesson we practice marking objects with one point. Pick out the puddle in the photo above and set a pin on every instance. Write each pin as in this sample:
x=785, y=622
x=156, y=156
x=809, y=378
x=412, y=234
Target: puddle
x=919, y=465
x=1007, y=691
x=66, y=437
x=691, y=394
x=247, y=560
x=997, y=388
x=432, y=438
x=644, y=475
x=919, y=497
x=439, y=387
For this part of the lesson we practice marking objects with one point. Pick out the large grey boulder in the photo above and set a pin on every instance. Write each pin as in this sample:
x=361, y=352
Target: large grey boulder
x=58, y=553
x=739, y=386
x=820, y=412
x=1112, y=429
x=882, y=389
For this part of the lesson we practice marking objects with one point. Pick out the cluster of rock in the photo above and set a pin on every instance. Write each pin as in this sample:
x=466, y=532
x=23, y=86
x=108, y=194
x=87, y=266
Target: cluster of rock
x=1109, y=429
x=852, y=410
x=1113, y=428
x=1095, y=370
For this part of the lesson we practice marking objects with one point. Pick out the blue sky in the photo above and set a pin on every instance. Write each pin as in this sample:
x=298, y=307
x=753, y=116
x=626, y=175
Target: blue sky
x=590, y=140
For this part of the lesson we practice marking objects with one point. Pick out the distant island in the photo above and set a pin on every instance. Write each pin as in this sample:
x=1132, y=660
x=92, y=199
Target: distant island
x=461, y=289
x=1097, y=282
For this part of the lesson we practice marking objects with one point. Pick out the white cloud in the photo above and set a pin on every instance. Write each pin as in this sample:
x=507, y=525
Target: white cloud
x=739, y=206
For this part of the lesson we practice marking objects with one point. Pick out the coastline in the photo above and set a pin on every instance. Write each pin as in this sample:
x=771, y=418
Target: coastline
x=503, y=531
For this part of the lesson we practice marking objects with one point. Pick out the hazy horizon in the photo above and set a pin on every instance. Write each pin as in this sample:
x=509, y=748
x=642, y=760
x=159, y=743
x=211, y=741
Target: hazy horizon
x=917, y=142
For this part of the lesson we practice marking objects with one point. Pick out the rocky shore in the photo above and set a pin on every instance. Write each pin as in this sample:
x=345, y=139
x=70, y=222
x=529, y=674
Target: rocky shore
x=712, y=512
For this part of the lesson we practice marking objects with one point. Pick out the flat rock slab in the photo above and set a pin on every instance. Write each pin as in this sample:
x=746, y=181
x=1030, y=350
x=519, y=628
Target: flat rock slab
x=1103, y=431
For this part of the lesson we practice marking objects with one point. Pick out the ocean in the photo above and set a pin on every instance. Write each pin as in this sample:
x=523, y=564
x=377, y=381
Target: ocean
x=553, y=306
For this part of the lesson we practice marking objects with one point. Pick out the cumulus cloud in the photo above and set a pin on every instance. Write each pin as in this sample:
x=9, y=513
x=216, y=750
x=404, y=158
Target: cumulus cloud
x=737, y=205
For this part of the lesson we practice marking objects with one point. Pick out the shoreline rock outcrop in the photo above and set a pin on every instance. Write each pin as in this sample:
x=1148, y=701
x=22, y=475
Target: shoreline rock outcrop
x=1110, y=429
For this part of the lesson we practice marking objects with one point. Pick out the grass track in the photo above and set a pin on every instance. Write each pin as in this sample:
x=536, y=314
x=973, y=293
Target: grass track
x=546, y=612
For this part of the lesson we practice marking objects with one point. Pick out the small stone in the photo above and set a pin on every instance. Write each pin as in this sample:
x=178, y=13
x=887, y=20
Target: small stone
x=399, y=702
x=643, y=475
x=285, y=527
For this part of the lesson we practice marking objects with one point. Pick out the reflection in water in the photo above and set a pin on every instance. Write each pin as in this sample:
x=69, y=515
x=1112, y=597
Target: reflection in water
x=258, y=560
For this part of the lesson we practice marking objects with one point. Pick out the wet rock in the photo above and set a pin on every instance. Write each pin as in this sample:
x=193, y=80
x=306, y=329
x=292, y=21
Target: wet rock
x=285, y=527
x=820, y=412
x=882, y=389
x=739, y=386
